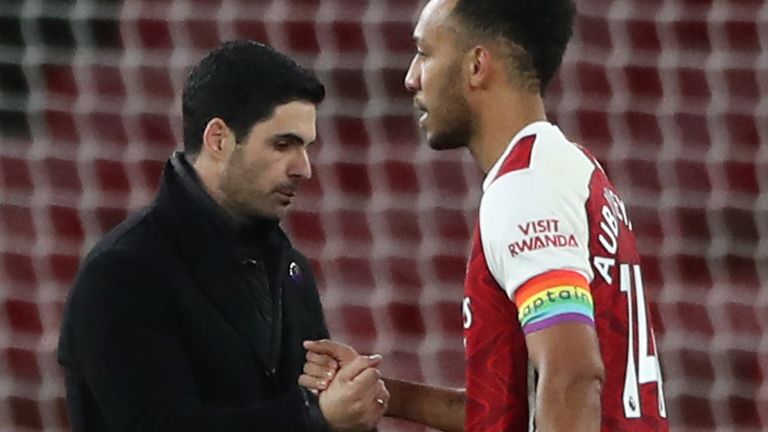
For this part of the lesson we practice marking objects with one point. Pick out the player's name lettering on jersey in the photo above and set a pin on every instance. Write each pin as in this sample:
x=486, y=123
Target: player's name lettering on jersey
x=612, y=214
x=617, y=207
x=541, y=242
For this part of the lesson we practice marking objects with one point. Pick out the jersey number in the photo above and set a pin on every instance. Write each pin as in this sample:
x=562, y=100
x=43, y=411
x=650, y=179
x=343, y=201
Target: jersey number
x=642, y=367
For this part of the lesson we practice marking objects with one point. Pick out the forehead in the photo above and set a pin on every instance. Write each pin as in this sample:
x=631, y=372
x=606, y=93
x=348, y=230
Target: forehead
x=297, y=118
x=433, y=18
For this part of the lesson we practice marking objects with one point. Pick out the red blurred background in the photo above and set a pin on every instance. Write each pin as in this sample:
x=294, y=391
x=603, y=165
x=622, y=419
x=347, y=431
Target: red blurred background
x=670, y=95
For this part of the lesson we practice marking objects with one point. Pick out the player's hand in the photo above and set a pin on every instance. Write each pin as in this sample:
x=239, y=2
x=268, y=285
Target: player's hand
x=357, y=398
x=324, y=358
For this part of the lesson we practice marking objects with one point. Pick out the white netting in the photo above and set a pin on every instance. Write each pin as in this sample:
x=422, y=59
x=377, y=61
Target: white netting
x=670, y=95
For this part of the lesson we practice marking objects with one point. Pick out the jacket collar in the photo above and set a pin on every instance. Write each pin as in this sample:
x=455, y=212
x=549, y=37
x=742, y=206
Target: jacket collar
x=207, y=238
x=239, y=230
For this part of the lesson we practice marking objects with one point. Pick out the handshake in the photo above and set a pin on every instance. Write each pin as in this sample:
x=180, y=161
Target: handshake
x=352, y=396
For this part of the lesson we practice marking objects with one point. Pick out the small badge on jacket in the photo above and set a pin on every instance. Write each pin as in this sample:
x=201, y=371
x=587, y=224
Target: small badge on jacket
x=294, y=271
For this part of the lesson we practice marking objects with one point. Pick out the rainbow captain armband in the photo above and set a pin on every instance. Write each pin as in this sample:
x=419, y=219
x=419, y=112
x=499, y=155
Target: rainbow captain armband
x=554, y=297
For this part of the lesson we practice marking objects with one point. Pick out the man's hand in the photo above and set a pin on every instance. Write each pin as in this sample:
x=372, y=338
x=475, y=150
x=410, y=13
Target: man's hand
x=324, y=358
x=352, y=395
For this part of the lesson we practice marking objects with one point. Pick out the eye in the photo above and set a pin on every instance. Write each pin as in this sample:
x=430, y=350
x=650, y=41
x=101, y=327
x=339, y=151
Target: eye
x=281, y=144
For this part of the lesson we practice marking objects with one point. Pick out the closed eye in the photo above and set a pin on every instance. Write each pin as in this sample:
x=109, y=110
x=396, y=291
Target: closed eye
x=281, y=145
x=284, y=141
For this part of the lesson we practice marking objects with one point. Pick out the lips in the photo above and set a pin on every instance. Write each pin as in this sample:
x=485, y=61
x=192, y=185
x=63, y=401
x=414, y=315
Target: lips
x=287, y=190
x=422, y=109
x=290, y=193
x=419, y=105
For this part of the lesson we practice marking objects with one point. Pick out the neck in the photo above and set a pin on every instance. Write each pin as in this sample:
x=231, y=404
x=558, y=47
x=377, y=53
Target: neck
x=500, y=116
x=209, y=175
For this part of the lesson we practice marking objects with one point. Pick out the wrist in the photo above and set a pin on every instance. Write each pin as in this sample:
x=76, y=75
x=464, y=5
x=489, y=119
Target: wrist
x=396, y=389
x=316, y=419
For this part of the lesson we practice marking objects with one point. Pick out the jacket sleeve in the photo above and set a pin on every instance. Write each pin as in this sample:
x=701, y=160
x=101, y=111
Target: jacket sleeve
x=124, y=342
x=319, y=330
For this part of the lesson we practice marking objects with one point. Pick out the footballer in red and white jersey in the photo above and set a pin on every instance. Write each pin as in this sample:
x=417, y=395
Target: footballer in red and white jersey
x=554, y=244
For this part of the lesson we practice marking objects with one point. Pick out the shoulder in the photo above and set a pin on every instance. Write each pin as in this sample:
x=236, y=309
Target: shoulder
x=126, y=258
x=122, y=272
x=138, y=236
x=129, y=231
x=542, y=166
x=544, y=150
x=560, y=159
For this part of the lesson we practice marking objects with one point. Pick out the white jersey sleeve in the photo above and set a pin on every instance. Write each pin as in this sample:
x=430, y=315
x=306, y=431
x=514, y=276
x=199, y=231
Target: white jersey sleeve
x=532, y=222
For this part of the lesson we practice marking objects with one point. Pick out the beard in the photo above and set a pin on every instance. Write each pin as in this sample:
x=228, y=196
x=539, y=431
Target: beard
x=240, y=198
x=453, y=119
x=456, y=133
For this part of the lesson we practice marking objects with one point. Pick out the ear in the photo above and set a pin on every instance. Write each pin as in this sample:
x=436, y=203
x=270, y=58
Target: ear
x=480, y=66
x=217, y=139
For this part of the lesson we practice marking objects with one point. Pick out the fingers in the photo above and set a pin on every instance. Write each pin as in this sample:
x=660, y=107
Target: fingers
x=382, y=397
x=321, y=368
x=364, y=383
x=370, y=395
x=357, y=398
x=316, y=377
x=318, y=371
x=342, y=353
x=313, y=383
x=322, y=360
x=361, y=365
x=376, y=404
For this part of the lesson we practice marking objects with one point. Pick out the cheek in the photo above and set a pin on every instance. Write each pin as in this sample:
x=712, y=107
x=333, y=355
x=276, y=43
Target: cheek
x=270, y=174
x=431, y=76
x=251, y=175
x=426, y=76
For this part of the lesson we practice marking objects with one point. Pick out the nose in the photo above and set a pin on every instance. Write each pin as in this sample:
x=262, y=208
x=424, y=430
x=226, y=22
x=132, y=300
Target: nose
x=413, y=76
x=300, y=166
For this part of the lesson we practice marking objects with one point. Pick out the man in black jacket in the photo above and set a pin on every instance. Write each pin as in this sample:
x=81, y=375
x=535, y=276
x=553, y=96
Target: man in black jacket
x=190, y=315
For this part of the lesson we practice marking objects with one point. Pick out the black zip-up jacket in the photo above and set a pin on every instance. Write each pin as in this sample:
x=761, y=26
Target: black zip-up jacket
x=161, y=331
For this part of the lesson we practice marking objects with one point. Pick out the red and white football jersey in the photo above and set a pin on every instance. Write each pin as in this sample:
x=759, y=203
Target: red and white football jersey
x=554, y=244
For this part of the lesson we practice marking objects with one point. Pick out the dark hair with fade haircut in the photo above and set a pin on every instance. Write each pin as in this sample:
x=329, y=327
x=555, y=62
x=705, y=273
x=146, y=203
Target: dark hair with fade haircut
x=242, y=82
x=541, y=27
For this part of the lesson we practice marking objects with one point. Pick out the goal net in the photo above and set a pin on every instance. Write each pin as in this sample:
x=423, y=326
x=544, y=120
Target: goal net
x=671, y=96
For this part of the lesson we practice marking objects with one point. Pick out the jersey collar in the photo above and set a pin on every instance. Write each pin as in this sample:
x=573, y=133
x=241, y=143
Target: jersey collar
x=530, y=129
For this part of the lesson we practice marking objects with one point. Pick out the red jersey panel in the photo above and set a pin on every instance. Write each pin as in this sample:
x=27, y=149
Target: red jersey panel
x=548, y=206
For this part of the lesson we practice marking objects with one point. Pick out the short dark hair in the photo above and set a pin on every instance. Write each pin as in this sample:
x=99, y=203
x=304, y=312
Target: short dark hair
x=242, y=82
x=541, y=27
